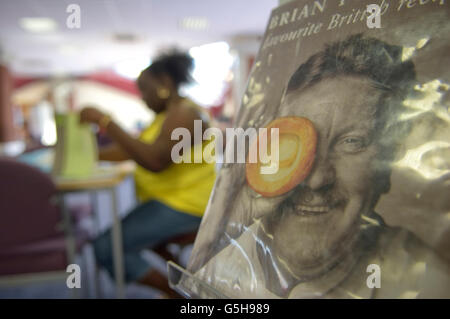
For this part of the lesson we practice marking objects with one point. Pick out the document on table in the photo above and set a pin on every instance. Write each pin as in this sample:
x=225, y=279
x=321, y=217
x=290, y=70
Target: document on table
x=76, y=149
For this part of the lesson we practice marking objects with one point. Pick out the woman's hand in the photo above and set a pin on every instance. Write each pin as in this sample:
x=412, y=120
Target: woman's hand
x=91, y=115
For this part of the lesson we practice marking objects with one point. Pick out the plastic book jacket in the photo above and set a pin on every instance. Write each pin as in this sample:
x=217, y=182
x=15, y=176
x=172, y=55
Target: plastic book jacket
x=360, y=204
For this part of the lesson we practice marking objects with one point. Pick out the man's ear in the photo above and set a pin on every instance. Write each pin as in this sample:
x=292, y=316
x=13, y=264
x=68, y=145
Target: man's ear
x=382, y=182
x=385, y=181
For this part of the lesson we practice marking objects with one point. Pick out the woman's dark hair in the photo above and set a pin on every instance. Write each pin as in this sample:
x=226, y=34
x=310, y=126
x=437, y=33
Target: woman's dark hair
x=177, y=65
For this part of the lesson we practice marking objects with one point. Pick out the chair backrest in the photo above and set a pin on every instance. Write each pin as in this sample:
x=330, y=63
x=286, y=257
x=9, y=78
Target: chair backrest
x=27, y=209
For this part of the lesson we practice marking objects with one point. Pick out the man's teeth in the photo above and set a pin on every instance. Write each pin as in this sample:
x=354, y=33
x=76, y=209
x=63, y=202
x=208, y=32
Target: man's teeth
x=315, y=209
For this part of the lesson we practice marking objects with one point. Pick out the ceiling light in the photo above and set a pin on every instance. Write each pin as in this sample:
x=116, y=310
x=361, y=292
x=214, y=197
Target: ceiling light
x=38, y=25
x=194, y=23
x=125, y=37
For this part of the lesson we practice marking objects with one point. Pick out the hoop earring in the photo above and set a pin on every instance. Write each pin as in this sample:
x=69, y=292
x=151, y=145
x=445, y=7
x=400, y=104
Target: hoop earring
x=163, y=93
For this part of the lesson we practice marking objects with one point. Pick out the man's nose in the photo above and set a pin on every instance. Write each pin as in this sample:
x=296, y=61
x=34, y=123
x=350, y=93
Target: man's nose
x=322, y=174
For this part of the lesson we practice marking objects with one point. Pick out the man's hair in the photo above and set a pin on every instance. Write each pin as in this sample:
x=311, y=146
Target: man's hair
x=380, y=62
x=383, y=65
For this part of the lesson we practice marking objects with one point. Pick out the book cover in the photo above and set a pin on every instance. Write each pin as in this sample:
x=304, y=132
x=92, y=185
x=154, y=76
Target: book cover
x=357, y=205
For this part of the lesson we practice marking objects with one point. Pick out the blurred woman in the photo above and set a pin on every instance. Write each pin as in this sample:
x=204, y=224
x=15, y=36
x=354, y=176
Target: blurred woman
x=173, y=196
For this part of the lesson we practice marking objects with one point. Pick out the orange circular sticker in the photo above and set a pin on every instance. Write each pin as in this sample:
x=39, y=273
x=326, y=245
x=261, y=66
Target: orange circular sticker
x=296, y=148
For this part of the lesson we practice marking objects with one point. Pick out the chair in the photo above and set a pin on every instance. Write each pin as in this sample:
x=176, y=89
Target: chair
x=176, y=249
x=35, y=245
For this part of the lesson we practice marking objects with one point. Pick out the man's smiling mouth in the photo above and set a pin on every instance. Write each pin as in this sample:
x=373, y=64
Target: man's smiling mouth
x=312, y=210
x=318, y=209
x=315, y=207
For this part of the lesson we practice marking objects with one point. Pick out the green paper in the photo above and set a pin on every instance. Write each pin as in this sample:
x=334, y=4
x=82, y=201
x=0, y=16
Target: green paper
x=76, y=150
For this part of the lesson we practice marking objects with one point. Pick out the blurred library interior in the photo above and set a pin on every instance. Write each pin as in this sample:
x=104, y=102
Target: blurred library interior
x=57, y=57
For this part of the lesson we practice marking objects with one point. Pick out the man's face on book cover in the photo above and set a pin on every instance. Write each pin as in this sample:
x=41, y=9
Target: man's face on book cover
x=320, y=218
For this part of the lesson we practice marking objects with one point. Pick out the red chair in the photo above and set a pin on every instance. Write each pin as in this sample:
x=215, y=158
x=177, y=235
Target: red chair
x=35, y=245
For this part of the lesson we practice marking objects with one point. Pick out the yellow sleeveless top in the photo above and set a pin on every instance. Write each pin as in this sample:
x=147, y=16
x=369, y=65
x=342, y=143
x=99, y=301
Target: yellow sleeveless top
x=184, y=187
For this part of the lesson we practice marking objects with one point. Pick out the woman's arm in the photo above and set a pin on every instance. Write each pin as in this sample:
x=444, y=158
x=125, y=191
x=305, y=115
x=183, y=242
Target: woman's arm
x=156, y=156
x=113, y=153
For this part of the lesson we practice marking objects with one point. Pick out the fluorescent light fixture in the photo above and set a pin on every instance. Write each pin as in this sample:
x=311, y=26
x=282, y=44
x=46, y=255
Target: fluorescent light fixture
x=38, y=24
x=194, y=23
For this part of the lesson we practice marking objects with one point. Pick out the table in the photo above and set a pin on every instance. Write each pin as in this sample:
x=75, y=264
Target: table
x=104, y=178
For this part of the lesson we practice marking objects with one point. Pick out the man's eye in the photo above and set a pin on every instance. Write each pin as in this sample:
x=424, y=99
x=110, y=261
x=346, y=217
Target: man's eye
x=351, y=144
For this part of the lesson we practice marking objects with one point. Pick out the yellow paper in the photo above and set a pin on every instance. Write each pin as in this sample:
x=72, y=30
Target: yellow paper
x=76, y=150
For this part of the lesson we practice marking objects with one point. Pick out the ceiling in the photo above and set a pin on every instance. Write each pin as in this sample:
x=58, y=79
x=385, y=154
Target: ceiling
x=115, y=30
